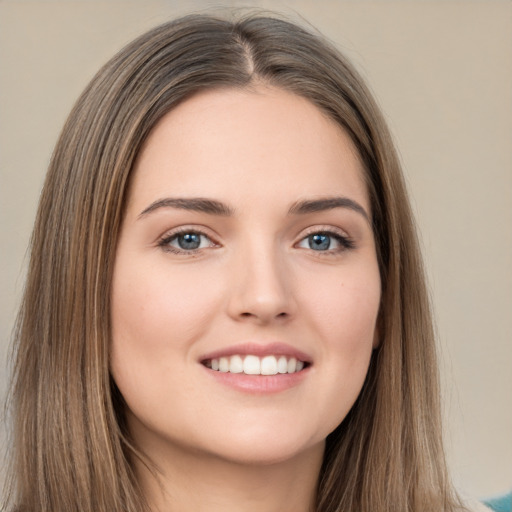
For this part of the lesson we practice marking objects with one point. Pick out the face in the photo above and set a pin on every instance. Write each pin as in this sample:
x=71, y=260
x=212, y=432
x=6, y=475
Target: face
x=246, y=285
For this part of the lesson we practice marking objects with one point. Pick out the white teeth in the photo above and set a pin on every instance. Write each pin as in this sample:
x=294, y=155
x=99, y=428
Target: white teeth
x=236, y=364
x=224, y=364
x=253, y=365
x=268, y=365
x=282, y=365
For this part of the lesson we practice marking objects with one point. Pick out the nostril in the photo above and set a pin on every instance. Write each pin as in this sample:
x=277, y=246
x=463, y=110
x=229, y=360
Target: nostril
x=246, y=314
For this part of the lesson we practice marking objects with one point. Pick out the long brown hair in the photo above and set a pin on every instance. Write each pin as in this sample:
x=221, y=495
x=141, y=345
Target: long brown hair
x=70, y=448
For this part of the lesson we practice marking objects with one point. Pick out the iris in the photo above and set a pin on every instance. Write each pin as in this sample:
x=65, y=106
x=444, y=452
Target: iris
x=319, y=241
x=189, y=240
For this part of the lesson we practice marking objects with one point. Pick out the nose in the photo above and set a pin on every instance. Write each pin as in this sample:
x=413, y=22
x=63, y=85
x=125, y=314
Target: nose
x=261, y=287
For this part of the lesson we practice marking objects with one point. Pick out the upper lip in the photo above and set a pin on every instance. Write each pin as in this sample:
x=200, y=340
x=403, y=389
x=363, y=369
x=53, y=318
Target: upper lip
x=258, y=349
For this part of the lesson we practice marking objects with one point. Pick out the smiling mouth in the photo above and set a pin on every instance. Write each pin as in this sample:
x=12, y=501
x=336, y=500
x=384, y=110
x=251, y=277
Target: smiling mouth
x=254, y=365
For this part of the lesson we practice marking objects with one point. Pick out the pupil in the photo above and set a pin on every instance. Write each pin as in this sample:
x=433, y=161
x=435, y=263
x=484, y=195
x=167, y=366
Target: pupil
x=189, y=241
x=319, y=242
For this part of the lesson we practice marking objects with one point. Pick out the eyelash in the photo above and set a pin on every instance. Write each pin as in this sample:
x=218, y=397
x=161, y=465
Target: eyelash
x=166, y=240
x=345, y=242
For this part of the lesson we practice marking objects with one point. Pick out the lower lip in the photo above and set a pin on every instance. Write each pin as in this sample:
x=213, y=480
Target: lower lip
x=259, y=384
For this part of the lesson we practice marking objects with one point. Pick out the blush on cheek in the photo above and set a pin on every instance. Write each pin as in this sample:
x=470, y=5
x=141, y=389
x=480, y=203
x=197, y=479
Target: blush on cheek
x=351, y=317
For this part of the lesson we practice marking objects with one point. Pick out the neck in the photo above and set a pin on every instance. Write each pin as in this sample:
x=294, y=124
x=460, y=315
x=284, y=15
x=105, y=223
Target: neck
x=205, y=483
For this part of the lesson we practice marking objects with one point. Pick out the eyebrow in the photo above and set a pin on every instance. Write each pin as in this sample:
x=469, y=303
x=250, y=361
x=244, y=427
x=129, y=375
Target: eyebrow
x=197, y=204
x=213, y=207
x=327, y=203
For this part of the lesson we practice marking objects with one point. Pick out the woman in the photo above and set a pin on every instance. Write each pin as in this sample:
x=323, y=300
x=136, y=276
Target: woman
x=225, y=306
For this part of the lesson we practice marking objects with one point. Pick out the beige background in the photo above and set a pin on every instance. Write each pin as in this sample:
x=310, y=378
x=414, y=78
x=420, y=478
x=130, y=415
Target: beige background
x=442, y=72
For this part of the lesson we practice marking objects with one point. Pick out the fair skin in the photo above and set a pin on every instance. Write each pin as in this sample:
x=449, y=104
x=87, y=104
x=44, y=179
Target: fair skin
x=265, y=268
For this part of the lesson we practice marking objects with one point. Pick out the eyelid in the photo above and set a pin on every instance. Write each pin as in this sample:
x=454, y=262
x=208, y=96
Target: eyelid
x=345, y=241
x=164, y=240
x=343, y=238
x=327, y=229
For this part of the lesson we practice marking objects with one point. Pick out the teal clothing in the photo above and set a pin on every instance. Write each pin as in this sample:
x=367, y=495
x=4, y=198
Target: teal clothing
x=500, y=503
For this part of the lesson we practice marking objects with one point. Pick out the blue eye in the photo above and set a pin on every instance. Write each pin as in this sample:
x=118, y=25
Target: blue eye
x=319, y=242
x=185, y=241
x=188, y=241
x=324, y=241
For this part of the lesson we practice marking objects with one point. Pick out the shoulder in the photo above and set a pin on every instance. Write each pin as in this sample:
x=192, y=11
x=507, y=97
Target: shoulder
x=501, y=503
x=479, y=507
x=472, y=505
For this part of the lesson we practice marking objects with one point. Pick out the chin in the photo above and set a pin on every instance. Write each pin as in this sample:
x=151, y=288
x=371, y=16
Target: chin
x=268, y=449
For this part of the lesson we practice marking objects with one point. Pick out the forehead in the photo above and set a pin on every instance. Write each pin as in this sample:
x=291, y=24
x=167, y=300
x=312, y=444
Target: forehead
x=263, y=141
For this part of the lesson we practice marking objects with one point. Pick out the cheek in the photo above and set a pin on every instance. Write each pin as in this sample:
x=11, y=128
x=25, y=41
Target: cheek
x=156, y=317
x=343, y=314
x=345, y=309
x=154, y=306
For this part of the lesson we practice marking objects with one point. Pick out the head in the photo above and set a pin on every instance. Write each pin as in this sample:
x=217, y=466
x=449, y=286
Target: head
x=390, y=437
